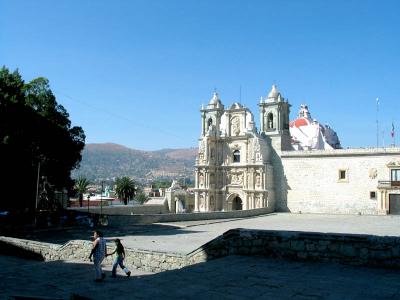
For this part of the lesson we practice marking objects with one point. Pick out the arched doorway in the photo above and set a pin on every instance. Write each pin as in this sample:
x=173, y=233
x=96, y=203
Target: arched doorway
x=237, y=203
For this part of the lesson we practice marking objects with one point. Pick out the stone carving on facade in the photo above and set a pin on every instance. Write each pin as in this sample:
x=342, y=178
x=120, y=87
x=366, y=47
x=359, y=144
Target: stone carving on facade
x=394, y=164
x=235, y=126
x=373, y=173
x=236, y=178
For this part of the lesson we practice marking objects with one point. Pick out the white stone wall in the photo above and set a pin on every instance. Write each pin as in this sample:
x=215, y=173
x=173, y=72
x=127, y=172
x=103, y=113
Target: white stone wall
x=311, y=180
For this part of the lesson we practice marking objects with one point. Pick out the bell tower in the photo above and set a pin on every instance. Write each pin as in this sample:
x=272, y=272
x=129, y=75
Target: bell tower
x=274, y=119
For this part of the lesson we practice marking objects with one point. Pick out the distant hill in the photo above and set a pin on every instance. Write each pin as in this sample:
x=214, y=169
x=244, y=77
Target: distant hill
x=107, y=161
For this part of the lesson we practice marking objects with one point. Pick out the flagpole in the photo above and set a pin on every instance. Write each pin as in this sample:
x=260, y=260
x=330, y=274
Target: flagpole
x=393, y=135
x=377, y=123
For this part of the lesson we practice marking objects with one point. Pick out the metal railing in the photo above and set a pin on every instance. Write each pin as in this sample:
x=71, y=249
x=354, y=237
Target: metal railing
x=388, y=184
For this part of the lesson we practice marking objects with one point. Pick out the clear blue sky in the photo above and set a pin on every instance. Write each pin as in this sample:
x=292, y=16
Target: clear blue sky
x=137, y=72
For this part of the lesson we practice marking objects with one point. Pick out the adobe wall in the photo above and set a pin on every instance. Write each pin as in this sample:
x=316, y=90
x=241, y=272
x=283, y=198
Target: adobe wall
x=310, y=180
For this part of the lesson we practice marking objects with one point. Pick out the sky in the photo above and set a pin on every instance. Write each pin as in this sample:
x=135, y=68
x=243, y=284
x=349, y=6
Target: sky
x=137, y=72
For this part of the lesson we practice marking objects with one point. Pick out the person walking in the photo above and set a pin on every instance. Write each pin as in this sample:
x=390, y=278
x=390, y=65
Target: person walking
x=119, y=259
x=99, y=251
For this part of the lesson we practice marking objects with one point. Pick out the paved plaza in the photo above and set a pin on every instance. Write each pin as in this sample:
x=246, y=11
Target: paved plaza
x=233, y=277
x=184, y=237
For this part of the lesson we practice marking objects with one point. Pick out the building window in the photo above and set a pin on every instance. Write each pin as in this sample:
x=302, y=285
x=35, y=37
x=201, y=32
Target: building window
x=209, y=123
x=236, y=156
x=270, y=121
x=395, y=175
x=343, y=176
x=372, y=195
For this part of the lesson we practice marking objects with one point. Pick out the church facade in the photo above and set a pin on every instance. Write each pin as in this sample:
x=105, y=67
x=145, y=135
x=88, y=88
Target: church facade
x=293, y=166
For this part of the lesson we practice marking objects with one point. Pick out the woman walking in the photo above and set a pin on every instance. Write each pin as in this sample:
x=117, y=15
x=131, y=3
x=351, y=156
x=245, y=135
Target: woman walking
x=99, y=251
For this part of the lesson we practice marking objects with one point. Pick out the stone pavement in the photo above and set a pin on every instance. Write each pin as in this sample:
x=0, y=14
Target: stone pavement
x=184, y=237
x=233, y=277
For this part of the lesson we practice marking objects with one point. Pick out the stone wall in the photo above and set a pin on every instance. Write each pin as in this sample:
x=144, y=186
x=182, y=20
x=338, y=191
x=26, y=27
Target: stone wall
x=352, y=249
x=127, y=209
x=341, y=248
x=121, y=220
x=310, y=180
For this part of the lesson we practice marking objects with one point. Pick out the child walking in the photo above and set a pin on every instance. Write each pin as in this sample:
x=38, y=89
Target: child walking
x=119, y=258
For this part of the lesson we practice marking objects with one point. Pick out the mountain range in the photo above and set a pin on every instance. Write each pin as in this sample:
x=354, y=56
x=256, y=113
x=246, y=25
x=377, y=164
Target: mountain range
x=108, y=161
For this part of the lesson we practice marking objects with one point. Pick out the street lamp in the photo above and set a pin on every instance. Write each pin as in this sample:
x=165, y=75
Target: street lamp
x=101, y=200
x=88, y=199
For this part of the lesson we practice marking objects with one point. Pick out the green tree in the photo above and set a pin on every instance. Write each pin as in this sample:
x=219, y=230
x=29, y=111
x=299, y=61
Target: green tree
x=125, y=188
x=35, y=134
x=81, y=186
x=141, y=197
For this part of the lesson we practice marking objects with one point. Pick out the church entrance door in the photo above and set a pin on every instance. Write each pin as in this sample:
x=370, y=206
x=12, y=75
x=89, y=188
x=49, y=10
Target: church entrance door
x=394, y=204
x=237, y=203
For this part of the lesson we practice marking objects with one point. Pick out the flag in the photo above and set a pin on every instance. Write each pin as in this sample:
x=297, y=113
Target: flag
x=377, y=101
x=392, y=132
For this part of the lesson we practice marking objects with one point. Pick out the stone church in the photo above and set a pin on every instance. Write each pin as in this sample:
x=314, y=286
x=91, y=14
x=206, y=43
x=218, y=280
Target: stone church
x=296, y=166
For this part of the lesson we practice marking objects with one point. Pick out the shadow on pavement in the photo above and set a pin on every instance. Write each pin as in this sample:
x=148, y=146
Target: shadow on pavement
x=63, y=235
x=233, y=277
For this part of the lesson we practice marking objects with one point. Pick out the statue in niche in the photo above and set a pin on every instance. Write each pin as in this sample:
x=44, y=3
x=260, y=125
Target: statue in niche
x=219, y=156
x=201, y=150
x=235, y=126
x=201, y=179
x=258, y=180
x=212, y=154
x=202, y=203
x=212, y=178
x=258, y=202
x=212, y=203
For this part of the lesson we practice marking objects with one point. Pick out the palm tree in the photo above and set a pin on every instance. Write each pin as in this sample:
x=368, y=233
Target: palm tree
x=81, y=185
x=125, y=188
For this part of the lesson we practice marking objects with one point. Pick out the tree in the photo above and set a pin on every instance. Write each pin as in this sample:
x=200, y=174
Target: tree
x=35, y=135
x=81, y=186
x=125, y=188
x=141, y=197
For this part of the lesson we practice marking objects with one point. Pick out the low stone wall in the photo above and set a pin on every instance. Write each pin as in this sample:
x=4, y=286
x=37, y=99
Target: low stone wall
x=114, y=220
x=79, y=250
x=351, y=249
x=355, y=249
x=126, y=210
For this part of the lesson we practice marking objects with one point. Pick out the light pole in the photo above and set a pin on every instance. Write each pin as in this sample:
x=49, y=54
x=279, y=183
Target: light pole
x=37, y=187
x=101, y=200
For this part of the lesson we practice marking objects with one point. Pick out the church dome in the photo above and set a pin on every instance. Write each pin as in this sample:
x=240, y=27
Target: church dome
x=215, y=102
x=300, y=122
x=236, y=105
x=215, y=99
x=308, y=134
x=274, y=93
